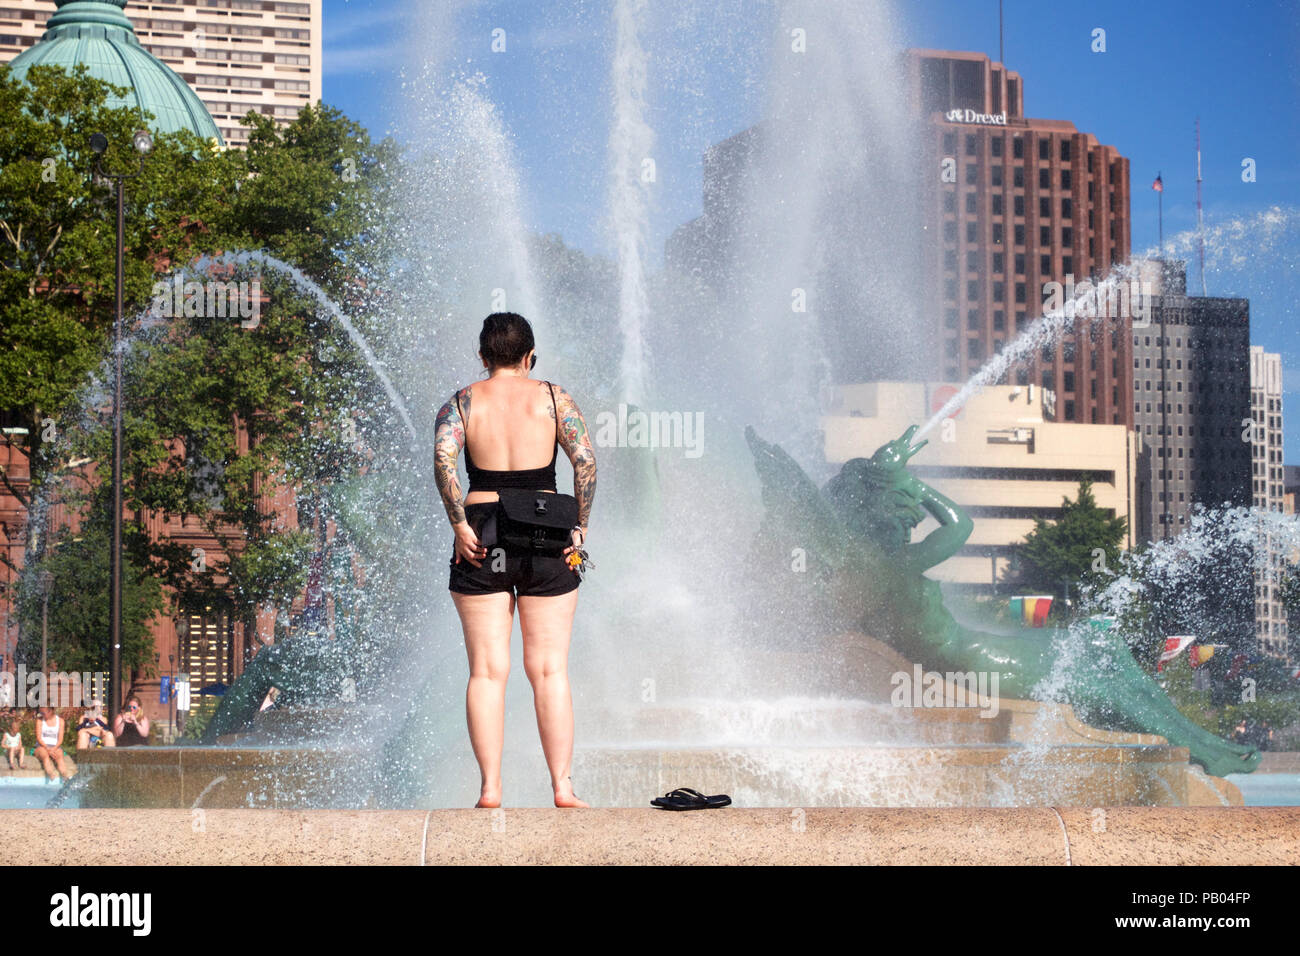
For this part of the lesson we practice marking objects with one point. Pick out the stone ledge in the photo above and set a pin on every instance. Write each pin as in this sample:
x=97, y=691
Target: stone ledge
x=840, y=836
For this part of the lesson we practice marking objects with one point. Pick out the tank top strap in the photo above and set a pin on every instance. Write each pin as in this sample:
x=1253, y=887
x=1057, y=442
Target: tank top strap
x=555, y=452
x=469, y=462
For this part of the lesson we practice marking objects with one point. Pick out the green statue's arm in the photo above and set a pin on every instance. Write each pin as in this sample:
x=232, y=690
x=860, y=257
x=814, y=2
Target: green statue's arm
x=955, y=526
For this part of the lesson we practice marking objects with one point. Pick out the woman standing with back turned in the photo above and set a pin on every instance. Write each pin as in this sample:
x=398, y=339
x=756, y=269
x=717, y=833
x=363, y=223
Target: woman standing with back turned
x=508, y=425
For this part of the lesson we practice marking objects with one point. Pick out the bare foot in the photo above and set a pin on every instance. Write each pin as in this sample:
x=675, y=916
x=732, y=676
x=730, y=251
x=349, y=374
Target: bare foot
x=489, y=799
x=565, y=797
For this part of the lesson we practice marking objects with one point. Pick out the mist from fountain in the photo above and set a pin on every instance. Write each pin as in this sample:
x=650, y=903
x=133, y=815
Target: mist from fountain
x=819, y=286
x=1123, y=284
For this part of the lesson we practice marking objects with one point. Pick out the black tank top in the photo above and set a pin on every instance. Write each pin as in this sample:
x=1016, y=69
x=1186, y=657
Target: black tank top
x=534, y=479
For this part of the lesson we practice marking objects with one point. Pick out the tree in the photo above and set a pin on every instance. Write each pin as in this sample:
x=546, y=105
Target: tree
x=78, y=605
x=58, y=235
x=1073, y=549
x=314, y=194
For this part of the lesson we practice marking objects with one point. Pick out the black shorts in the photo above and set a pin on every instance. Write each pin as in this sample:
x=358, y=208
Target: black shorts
x=507, y=569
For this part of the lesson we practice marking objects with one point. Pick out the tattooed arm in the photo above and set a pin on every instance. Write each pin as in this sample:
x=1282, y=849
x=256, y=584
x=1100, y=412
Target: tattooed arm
x=448, y=440
x=576, y=442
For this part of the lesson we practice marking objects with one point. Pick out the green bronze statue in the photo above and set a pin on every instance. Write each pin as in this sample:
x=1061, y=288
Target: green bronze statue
x=857, y=532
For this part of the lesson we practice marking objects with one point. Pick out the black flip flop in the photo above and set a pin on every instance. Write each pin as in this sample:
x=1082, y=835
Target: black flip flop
x=684, y=798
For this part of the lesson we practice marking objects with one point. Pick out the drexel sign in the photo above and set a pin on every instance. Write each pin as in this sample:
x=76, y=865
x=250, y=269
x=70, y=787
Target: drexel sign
x=981, y=119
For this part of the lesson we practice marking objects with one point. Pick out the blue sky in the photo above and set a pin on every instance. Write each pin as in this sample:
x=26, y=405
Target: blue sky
x=1235, y=65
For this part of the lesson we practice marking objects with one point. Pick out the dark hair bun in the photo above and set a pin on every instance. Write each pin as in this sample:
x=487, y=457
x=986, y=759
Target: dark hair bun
x=505, y=340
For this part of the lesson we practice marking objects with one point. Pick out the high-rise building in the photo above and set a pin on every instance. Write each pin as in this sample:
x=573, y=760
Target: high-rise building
x=1191, y=395
x=1267, y=477
x=237, y=55
x=1019, y=203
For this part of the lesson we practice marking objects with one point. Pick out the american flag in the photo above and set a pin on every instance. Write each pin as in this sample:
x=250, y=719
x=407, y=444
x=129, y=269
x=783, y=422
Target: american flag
x=1159, y=184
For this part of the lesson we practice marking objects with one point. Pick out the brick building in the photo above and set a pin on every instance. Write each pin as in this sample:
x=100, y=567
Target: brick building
x=1018, y=203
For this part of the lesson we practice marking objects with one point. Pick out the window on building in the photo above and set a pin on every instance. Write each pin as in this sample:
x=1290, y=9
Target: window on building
x=970, y=232
x=1018, y=177
x=970, y=144
x=1044, y=148
x=996, y=173
x=1018, y=205
x=1020, y=263
x=995, y=146
x=997, y=204
x=1044, y=178
x=970, y=203
x=972, y=174
x=1018, y=147
x=1045, y=208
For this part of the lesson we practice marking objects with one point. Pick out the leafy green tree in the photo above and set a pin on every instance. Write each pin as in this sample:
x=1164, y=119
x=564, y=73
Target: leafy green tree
x=77, y=624
x=1065, y=552
x=314, y=194
x=58, y=234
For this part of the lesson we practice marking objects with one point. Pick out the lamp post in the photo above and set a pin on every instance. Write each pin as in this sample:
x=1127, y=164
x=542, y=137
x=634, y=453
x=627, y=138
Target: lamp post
x=143, y=143
x=47, y=580
x=171, y=693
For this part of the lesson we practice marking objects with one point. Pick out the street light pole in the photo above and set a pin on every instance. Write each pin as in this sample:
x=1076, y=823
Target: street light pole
x=47, y=580
x=143, y=144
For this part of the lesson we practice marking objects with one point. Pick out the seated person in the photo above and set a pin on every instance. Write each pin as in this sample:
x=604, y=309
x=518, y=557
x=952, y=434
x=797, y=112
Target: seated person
x=131, y=726
x=13, y=744
x=49, y=744
x=93, y=730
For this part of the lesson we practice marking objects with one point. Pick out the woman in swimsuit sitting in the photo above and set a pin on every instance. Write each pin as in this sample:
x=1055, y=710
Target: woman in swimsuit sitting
x=507, y=425
x=131, y=726
x=49, y=744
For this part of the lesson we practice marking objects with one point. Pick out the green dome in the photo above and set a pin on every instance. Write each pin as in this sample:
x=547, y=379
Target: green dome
x=98, y=34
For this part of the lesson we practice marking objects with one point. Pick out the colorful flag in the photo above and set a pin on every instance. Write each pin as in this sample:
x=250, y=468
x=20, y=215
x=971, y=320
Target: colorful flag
x=1159, y=184
x=1198, y=654
x=1173, y=647
x=1032, y=609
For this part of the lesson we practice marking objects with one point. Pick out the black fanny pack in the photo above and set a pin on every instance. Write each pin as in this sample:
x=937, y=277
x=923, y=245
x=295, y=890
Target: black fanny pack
x=537, y=521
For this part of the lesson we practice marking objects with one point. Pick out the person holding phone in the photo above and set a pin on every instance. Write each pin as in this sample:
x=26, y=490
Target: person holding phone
x=131, y=727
